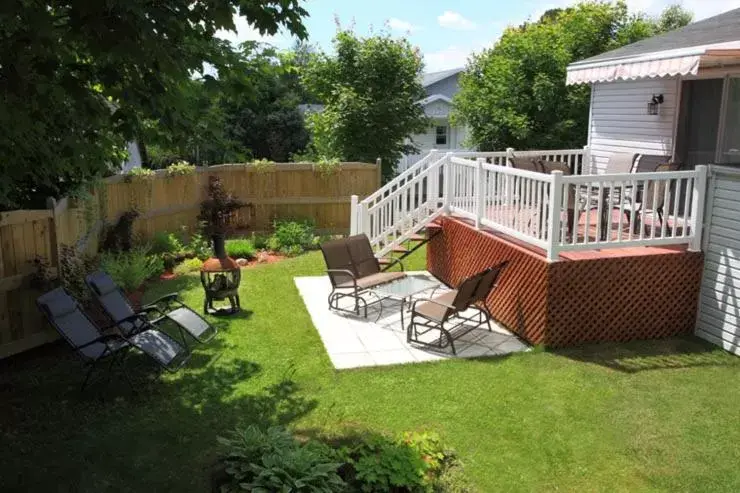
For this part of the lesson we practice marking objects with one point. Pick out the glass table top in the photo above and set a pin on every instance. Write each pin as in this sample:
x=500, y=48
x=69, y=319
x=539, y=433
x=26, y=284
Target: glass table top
x=405, y=287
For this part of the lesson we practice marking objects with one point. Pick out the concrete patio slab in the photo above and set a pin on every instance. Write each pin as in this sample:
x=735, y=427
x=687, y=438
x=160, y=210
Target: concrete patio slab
x=356, y=342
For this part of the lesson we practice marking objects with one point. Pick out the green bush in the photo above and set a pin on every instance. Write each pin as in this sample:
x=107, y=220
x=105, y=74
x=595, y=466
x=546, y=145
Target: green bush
x=189, y=265
x=164, y=242
x=130, y=269
x=180, y=168
x=240, y=248
x=273, y=460
x=291, y=237
x=197, y=246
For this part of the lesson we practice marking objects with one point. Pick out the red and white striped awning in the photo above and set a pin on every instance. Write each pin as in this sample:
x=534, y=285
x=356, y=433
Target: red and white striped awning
x=670, y=63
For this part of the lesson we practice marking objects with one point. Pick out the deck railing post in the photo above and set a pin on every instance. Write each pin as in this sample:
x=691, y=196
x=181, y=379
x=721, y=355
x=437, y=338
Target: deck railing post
x=448, y=183
x=698, y=195
x=586, y=161
x=509, y=185
x=479, y=192
x=353, y=216
x=553, y=215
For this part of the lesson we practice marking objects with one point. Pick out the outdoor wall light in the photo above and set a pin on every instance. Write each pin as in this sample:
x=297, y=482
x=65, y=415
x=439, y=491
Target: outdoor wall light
x=653, y=107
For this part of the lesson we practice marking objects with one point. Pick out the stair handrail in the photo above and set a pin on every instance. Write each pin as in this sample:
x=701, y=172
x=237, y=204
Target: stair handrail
x=417, y=167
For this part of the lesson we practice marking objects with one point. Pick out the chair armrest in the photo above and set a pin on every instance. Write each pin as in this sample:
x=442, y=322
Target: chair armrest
x=344, y=272
x=131, y=319
x=168, y=298
x=105, y=339
x=431, y=300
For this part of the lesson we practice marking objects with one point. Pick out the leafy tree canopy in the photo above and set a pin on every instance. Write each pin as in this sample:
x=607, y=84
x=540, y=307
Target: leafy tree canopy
x=514, y=94
x=78, y=78
x=370, y=89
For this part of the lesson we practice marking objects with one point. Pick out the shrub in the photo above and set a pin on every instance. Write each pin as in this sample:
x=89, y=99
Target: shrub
x=73, y=267
x=189, y=265
x=180, y=168
x=273, y=460
x=196, y=245
x=138, y=175
x=260, y=241
x=119, y=237
x=240, y=248
x=130, y=269
x=164, y=242
x=291, y=237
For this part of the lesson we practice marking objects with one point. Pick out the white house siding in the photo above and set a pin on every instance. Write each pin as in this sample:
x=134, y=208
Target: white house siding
x=446, y=87
x=718, y=320
x=619, y=121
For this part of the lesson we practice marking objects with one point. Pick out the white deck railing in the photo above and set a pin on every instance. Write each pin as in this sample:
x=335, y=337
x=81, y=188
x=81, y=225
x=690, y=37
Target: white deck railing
x=555, y=212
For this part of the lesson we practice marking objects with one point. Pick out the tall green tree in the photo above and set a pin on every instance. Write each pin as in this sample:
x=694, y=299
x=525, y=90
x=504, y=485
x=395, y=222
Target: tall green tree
x=514, y=94
x=370, y=89
x=78, y=78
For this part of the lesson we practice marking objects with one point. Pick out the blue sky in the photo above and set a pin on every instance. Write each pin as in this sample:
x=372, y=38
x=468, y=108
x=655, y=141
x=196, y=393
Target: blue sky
x=446, y=32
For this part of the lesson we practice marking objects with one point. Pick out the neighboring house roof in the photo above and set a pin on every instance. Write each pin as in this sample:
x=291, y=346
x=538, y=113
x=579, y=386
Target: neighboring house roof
x=433, y=77
x=434, y=97
x=712, y=41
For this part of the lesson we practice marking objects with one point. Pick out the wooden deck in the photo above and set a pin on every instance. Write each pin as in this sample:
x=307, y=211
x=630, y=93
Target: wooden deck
x=588, y=296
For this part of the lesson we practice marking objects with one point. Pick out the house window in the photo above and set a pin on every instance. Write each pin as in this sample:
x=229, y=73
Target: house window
x=441, y=135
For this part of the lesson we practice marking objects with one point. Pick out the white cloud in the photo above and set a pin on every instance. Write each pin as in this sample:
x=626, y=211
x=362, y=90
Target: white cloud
x=450, y=57
x=397, y=24
x=455, y=20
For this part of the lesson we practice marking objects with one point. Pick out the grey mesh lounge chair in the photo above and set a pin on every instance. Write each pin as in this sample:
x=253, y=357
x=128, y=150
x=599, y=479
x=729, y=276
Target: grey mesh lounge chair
x=119, y=309
x=353, y=269
x=73, y=324
x=444, y=313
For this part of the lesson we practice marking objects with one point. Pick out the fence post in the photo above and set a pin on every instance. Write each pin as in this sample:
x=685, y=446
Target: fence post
x=479, y=192
x=698, y=197
x=379, y=162
x=353, y=218
x=448, y=183
x=553, y=215
x=586, y=161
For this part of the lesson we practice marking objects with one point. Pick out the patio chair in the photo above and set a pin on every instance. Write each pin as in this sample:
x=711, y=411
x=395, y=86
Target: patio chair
x=353, y=269
x=67, y=317
x=655, y=191
x=118, y=307
x=444, y=313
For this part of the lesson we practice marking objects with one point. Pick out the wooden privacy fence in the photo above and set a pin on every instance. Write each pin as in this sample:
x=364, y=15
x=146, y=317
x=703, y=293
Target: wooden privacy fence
x=165, y=203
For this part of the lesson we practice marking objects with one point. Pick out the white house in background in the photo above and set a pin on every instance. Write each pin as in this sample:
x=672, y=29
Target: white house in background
x=678, y=95
x=440, y=88
x=134, y=158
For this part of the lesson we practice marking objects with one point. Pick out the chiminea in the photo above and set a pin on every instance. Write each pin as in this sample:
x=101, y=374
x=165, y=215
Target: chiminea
x=220, y=277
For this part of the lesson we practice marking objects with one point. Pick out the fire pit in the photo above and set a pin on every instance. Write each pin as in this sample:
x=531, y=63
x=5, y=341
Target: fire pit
x=220, y=278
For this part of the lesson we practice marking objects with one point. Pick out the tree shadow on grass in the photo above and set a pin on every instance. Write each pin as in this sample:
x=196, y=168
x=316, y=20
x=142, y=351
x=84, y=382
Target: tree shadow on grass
x=660, y=354
x=163, y=437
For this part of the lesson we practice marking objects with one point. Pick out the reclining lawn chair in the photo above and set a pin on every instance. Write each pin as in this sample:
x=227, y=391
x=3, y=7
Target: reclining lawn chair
x=447, y=308
x=168, y=307
x=68, y=318
x=353, y=269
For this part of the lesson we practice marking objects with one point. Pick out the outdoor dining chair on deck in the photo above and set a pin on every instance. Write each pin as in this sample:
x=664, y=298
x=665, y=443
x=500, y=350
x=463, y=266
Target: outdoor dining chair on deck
x=445, y=312
x=168, y=307
x=353, y=269
x=67, y=317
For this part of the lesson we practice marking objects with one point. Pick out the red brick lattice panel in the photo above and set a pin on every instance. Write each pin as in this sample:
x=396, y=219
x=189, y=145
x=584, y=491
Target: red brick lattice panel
x=566, y=303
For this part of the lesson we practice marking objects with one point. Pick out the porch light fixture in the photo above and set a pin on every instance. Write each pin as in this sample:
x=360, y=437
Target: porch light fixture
x=653, y=107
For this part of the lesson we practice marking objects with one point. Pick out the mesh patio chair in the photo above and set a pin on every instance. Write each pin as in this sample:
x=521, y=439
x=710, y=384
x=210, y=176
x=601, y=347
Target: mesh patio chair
x=92, y=346
x=168, y=307
x=445, y=312
x=353, y=269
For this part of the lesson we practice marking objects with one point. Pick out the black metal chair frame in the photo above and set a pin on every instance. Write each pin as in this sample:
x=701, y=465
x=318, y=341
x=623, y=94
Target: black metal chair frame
x=169, y=301
x=115, y=354
x=339, y=292
x=453, y=315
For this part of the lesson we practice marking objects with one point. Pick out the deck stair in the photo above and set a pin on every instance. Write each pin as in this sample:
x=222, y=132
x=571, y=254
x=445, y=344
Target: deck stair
x=414, y=242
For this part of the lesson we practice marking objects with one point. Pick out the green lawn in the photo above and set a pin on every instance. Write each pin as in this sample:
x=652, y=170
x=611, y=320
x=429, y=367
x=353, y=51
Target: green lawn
x=660, y=416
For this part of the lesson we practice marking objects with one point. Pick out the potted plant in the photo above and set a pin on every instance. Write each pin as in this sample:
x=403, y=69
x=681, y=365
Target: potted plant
x=217, y=214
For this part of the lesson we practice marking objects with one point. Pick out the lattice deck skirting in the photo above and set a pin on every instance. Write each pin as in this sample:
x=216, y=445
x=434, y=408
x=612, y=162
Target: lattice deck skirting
x=611, y=298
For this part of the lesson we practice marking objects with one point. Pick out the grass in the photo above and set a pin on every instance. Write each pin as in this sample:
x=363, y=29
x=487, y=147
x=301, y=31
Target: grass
x=647, y=416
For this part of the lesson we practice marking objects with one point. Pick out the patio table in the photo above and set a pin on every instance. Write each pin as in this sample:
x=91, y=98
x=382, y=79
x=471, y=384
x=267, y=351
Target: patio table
x=404, y=290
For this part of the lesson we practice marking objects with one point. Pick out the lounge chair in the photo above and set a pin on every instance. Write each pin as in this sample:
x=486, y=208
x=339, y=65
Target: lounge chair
x=168, y=307
x=68, y=318
x=445, y=312
x=353, y=269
